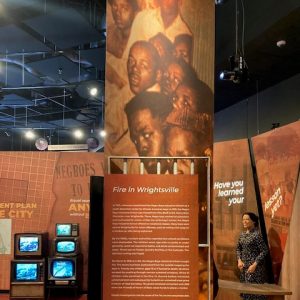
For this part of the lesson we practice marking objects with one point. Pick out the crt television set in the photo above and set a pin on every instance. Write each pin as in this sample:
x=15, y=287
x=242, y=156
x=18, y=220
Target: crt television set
x=65, y=271
x=27, y=278
x=30, y=245
x=29, y=270
x=67, y=229
x=66, y=246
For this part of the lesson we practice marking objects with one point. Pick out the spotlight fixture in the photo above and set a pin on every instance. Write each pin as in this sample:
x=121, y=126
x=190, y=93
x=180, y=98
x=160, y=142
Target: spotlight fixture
x=93, y=91
x=103, y=133
x=219, y=2
x=281, y=43
x=238, y=70
x=29, y=134
x=78, y=134
x=227, y=75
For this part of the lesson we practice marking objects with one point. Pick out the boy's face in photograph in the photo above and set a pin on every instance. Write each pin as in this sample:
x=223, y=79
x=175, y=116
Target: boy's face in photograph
x=180, y=142
x=169, y=7
x=141, y=69
x=123, y=13
x=182, y=51
x=147, y=135
x=185, y=97
x=158, y=44
x=171, y=78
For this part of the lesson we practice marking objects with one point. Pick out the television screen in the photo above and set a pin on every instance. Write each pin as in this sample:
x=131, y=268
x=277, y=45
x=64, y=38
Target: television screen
x=26, y=271
x=62, y=269
x=63, y=229
x=65, y=246
x=28, y=244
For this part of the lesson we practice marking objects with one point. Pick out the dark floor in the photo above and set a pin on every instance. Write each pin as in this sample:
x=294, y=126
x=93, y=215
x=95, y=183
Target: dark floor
x=81, y=297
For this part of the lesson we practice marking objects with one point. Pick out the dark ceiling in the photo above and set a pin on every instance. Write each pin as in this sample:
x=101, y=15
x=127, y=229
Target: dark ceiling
x=265, y=23
x=53, y=52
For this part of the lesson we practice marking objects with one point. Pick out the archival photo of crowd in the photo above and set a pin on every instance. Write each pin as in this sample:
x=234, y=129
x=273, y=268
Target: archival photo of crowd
x=159, y=78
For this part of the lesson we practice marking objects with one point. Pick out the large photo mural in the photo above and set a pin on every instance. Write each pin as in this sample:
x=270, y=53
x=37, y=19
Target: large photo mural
x=159, y=100
x=159, y=92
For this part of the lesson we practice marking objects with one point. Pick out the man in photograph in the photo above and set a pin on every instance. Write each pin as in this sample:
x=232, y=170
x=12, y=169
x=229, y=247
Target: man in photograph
x=143, y=67
x=183, y=47
x=166, y=18
x=174, y=73
x=194, y=95
x=123, y=13
x=146, y=114
x=184, y=142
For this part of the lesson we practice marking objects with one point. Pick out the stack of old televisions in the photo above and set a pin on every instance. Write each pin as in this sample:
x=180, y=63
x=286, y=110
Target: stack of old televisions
x=28, y=268
x=65, y=266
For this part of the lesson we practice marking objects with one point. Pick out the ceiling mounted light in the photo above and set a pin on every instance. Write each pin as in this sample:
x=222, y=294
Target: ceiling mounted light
x=281, y=43
x=103, y=133
x=78, y=134
x=227, y=75
x=93, y=91
x=238, y=70
x=29, y=134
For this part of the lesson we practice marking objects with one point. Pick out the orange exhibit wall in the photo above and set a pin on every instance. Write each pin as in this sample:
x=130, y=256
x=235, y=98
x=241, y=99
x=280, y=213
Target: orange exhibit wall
x=277, y=157
x=40, y=189
x=233, y=194
x=274, y=194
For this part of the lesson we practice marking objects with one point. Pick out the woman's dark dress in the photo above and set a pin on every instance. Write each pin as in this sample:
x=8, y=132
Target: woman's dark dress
x=250, y=248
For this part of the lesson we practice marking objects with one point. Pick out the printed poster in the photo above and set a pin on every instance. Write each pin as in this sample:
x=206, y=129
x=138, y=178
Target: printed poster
x=150, y=237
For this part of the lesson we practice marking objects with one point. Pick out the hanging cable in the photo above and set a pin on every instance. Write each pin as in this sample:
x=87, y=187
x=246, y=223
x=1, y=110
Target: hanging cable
x=257, y=110
x=243, y=27
x=236, y=29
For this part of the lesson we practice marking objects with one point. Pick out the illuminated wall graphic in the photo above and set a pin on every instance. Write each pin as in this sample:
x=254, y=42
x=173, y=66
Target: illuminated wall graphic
x=41, y=189
x=277, y=157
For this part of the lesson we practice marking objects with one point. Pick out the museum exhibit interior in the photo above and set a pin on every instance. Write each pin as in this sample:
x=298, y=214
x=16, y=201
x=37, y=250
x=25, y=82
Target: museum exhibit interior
x=149, y=149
